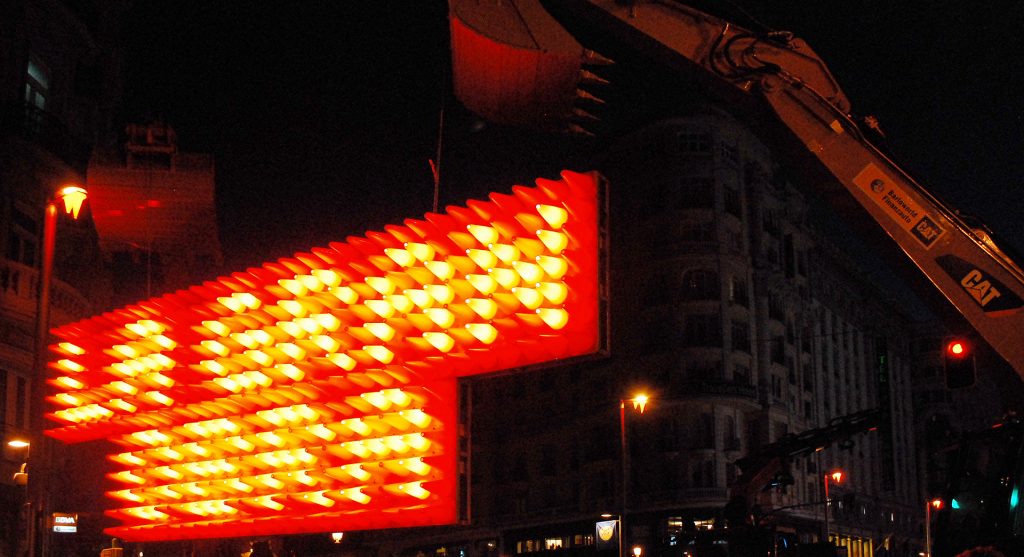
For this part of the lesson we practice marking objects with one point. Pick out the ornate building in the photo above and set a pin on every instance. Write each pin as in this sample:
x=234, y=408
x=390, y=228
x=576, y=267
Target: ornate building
x=60, y=70
x=740, y=314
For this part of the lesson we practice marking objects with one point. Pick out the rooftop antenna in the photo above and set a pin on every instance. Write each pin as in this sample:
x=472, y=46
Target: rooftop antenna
x=435, y=163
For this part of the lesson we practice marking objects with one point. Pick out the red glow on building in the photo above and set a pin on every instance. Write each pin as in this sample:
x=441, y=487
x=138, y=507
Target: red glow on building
x=318, y=393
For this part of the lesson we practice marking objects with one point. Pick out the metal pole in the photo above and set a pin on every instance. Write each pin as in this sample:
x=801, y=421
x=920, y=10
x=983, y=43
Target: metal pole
x=625, y=476
x=37, y=468
x=927, y=529
x=826, y=507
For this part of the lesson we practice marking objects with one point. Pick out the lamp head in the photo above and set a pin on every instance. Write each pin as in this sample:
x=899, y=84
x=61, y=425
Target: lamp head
x=640, y=402
x=73, y=196
x=837, y=476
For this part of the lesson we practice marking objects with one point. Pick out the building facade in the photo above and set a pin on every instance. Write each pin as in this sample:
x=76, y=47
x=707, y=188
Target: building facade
x=60, y=87
x=745, y=322
x=155, y=213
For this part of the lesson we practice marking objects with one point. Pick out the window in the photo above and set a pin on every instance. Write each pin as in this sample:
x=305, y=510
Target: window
x=703, y=330
x=769, y=222
x=732, y=203
x=704, y=474
x=696, y=193
x=673, y=530
x=729, y=154
x=21, y=403
x=700, y=284
x=668, y=438
x=3, y=396
x=553, y=543
x=741, y=374
x=656, y=289
x=753, y=173
x=547, y=464
x=734, y=241
x=37, y=84
x=656, y=200
x=696, y=232
x=789, y=256
x=738, y=291
x=732, y=440
x=707, y=432
x=694, y=142
x=21, y=245
x=781, y=429
x=778, y=350
x=741, y=336
x=776, y=310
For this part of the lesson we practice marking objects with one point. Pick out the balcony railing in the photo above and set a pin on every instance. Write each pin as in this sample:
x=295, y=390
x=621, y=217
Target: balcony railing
x=719, y=388
x=687, y=494
x=46, y=130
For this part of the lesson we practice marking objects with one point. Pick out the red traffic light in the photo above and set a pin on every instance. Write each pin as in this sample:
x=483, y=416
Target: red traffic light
x=958, y=348
x=959, y=363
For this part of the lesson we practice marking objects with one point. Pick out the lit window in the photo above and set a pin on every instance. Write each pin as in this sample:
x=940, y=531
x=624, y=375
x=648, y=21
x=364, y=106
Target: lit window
x=704, y=524
x=552, y=543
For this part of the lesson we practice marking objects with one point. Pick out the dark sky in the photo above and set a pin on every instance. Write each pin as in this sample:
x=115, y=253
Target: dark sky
x=322, y=115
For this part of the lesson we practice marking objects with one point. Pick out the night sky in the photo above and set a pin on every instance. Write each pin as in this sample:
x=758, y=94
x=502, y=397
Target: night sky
x=322, y=115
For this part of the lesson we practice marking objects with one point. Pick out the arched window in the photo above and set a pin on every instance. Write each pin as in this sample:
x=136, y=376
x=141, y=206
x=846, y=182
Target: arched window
x=701, y=284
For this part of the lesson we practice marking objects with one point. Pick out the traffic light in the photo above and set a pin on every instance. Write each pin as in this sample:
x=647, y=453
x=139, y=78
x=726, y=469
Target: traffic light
x=958, y=361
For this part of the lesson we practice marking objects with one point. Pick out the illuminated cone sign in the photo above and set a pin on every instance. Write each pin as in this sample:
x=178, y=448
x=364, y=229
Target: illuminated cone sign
x=318, y=393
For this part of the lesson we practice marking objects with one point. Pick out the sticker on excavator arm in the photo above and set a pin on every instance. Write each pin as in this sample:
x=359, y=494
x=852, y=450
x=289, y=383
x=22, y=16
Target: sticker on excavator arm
x=991, y=295
x=898, y=205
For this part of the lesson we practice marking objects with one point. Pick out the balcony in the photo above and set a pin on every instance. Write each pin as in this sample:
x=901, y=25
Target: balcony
x=45, y=130
x=18, y=293
x=718, y=388
x=687, y=495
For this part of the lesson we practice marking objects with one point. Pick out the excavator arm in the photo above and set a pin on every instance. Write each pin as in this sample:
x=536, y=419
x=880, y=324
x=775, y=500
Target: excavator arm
x=769, y=461
x=778, y=77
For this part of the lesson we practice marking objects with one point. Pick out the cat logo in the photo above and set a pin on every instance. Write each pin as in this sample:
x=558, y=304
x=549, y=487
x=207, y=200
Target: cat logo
x=990, y=294
x=982, y=290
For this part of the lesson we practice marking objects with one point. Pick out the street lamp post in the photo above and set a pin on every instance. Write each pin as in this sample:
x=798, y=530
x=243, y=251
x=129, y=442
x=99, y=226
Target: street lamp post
x=837, y=477
x=639, y=404
x=21, y=478
x=70, y=197
x=928, y=506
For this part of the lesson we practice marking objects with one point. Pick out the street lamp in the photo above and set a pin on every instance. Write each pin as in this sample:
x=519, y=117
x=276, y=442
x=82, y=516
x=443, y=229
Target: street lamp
x=936, y=504
x=70, y=197
x=837, y=477
x=639, y=402
x=21, y=476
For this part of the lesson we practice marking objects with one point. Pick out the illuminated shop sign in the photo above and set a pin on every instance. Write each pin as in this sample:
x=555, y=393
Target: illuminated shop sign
x=317, y=393
x=64, y=523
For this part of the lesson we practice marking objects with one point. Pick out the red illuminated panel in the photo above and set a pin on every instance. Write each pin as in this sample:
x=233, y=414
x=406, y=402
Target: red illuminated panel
x=317, y=393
